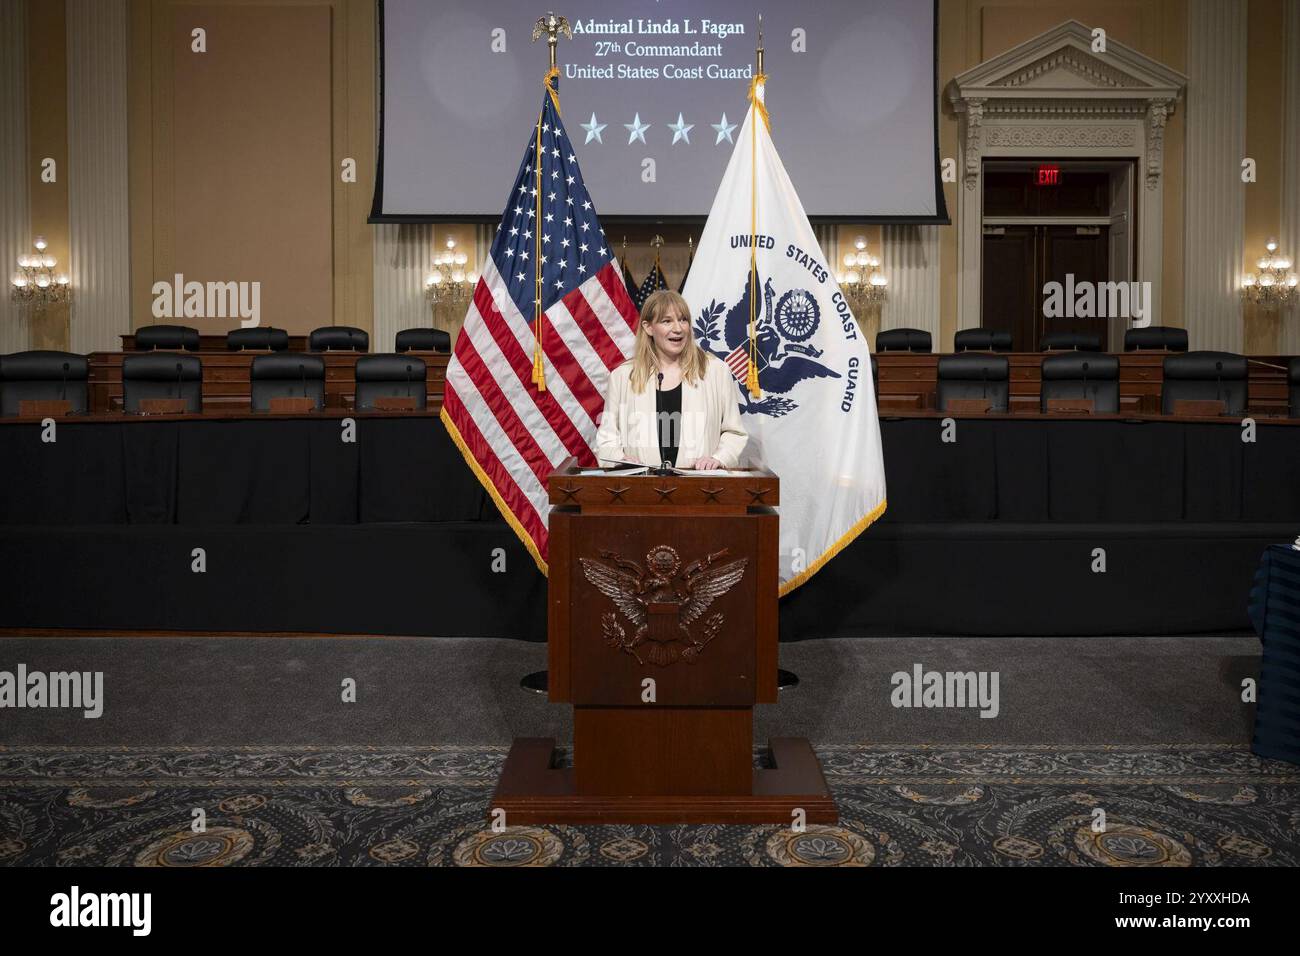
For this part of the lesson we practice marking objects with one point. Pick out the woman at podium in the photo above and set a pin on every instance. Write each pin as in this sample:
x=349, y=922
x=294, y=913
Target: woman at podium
x=672, y=401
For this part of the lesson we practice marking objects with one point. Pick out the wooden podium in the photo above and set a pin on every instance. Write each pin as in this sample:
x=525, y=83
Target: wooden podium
x=662, y=635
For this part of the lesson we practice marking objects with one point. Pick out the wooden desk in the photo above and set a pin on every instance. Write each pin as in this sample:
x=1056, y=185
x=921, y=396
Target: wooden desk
x=226, y=378
x=216, y=342
x=909, y=380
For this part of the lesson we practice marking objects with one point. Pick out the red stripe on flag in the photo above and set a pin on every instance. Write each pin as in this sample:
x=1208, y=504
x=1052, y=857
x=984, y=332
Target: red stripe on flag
x=570, y=370
x=503, y=409
x=618, y=294
x=522, y=365
x=738, y=362
x=496, y=472
x=589, y=322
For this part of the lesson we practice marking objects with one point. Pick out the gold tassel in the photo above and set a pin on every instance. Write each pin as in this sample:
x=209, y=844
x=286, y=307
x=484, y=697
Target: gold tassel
x=539, y=368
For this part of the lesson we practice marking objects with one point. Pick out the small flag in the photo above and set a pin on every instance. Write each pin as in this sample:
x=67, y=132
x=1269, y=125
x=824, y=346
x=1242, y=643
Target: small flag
x=653, y=282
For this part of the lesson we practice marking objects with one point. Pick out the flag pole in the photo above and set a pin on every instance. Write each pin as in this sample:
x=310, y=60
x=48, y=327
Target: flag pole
x=552, y=27
x=756, y=101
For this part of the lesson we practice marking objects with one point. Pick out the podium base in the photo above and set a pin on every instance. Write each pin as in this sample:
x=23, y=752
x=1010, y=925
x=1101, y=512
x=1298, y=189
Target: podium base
x=531, y=790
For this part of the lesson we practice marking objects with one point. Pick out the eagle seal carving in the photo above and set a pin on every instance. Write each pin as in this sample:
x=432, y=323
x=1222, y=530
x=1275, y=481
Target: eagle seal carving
x=662, y=601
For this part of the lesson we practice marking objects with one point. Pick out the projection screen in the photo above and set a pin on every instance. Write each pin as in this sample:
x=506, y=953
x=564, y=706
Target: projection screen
x=653, y=94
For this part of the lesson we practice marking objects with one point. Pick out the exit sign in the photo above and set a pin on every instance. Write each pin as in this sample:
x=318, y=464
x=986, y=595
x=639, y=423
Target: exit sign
x=1049, y=175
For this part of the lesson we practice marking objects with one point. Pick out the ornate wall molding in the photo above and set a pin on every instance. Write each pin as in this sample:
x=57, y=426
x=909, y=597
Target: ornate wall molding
x=1052, y=95
x=1069, y=136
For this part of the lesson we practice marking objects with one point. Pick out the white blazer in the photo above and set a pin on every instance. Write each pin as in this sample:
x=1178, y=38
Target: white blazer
x=710, y=423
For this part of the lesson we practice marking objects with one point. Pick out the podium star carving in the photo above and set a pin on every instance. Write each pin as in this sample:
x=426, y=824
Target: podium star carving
x=661, y=601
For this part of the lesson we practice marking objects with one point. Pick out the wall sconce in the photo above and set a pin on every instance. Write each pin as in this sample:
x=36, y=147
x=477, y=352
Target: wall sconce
x=36, y=284
x=861, y=281
x=449, y=282
x=1274, y=284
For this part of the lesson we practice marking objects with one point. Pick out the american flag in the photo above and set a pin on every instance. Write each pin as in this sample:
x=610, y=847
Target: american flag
x=512, y=432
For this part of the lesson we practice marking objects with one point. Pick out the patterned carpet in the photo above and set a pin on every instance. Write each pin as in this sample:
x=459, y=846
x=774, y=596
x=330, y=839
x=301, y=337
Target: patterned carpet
x=426, y=806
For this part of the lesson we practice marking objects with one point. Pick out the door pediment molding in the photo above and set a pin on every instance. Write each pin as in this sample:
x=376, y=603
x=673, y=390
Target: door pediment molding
x=1053, y=96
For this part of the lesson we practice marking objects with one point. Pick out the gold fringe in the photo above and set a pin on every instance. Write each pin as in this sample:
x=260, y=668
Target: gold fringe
x=490, y=488
x=834, y=549
x=759, y=104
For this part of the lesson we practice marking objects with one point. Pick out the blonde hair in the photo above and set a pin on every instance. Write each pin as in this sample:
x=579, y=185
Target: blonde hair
x=645, y=360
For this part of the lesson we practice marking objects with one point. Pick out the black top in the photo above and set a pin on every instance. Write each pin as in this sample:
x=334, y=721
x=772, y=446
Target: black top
x=668, y=406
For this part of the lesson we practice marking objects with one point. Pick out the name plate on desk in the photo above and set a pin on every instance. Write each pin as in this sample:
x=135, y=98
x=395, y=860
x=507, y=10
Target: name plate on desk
x=291, y=406
x=44, y=408
x=1065, y=405
x=395, y=403
x=162, y=406
x=969, y=406
x=899, y=403
x=1199, y=407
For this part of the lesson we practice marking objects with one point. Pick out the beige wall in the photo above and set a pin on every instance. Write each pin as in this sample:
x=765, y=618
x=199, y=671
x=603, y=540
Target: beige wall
x=236, y=155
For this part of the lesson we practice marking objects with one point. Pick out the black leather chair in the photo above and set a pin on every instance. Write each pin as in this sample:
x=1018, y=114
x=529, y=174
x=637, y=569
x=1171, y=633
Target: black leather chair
x=162, y=375
x=169, y=337
x=423, y=340
x=982, y=340
x=258, y=339
x=1070, y=341
x=1205, y=375
x=1293, y=376
x=974, y=376
x=903, y=340
x=339, y=338
x=42, y=375
x=1082, y=375
x=390, y=376
x=287, y=375
x=1156, y=337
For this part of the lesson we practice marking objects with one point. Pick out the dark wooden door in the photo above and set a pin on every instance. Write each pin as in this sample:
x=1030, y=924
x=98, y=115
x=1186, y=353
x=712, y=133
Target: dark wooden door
x=1081, y=253
x=1009, y=297
x=1019, y=261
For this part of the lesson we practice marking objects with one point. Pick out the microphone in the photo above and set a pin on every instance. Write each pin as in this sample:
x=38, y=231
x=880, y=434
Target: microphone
x=1218, y=381
x=408, y=379
x=659, y=387
x=1085, y=380
x=302, y=375
x=63, y=383
x=178, y=380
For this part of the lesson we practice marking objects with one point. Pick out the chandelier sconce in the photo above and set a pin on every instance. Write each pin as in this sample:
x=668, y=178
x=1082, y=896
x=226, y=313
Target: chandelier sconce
x=1274, y=284
x=862, y=282
x=36, y=284
x=450, y=282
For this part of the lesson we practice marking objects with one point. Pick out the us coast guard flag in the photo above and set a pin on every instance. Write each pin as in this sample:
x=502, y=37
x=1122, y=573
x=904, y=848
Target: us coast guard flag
x=767, y=304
